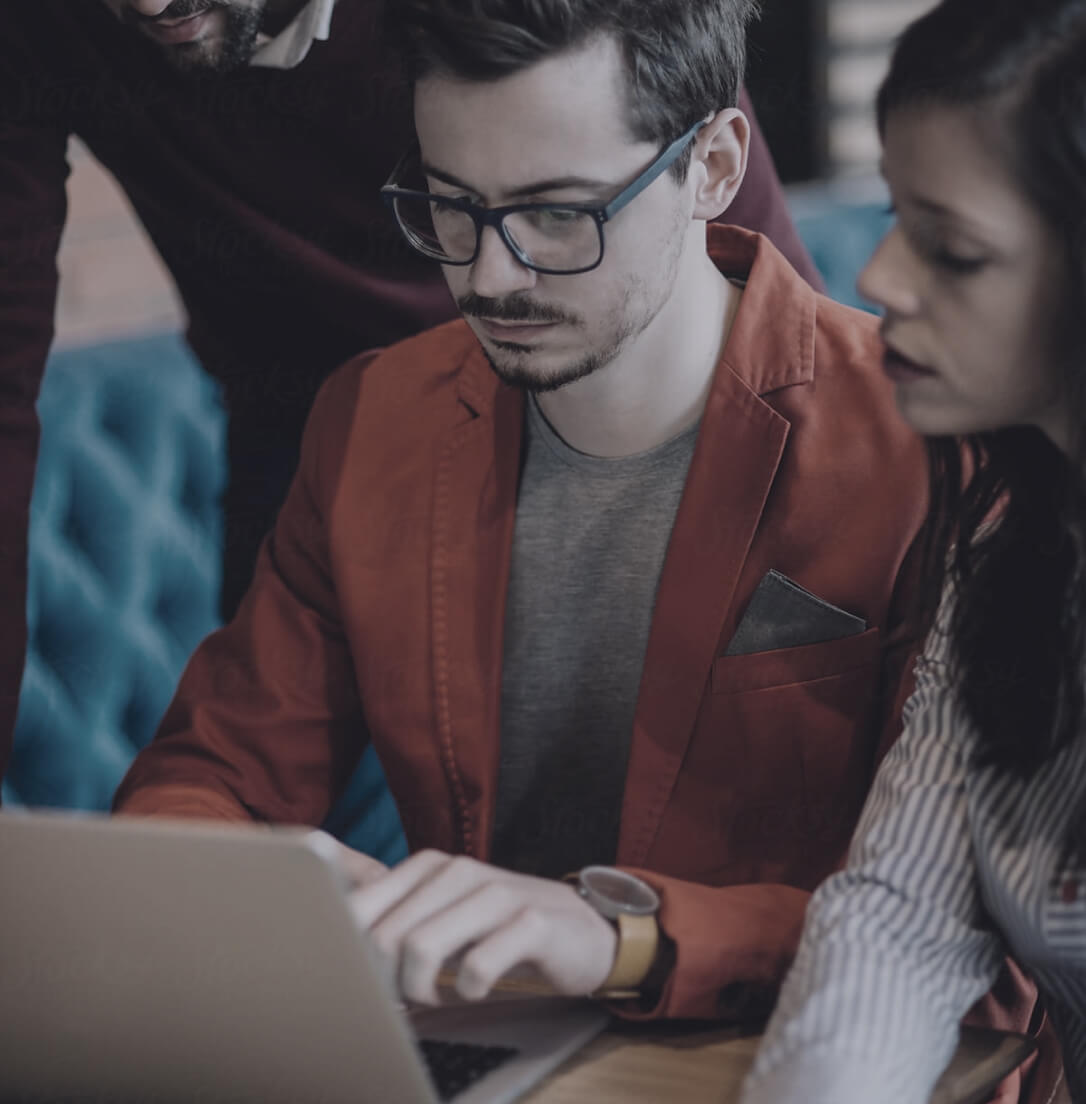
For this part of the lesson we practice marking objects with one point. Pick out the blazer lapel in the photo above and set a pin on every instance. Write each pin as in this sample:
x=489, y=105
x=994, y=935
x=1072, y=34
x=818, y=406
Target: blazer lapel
x=474, y=510
x=713, y=530
x=739, y=449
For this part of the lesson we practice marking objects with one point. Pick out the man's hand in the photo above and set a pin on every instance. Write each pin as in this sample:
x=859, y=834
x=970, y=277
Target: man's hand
x=435, y=907
x=360, y=869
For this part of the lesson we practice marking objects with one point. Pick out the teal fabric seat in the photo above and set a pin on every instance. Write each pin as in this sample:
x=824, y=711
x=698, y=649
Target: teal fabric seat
x=840, y=238
x=125, y=553
x=124, y=576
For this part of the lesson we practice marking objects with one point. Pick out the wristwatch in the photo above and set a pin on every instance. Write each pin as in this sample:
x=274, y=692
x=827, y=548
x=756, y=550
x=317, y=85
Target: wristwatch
x=631, y=906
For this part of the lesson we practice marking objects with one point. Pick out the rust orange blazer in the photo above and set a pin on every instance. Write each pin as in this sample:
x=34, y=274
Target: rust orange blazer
x=377, y=608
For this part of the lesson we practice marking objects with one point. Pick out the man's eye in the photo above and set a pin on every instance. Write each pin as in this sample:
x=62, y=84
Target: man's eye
x=557, y=220
x=561, y=214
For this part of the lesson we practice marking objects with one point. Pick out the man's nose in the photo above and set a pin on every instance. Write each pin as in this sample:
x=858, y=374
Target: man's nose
x=496, y=272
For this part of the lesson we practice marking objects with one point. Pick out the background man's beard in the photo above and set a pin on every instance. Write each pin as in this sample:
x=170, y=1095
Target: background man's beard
x=241, y=27
x=233, y=51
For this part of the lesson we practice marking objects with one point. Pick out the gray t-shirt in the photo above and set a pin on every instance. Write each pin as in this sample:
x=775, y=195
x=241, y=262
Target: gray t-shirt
x=588, y=546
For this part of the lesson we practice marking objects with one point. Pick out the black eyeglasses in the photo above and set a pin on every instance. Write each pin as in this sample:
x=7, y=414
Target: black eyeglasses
x=557, y=239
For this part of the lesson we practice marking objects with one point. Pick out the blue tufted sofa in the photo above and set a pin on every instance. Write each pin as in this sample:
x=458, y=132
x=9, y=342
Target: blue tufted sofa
x=124, y=576
x=840, y=225
x=124, y=538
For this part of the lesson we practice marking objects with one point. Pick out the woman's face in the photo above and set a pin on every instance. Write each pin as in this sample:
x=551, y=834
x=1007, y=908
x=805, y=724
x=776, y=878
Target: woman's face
x=971, y=279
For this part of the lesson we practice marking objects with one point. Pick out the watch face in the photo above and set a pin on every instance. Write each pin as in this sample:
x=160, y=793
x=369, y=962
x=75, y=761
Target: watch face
x=613, y=891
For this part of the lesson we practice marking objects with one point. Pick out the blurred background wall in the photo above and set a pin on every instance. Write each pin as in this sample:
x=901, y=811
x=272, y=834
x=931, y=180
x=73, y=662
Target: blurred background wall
x=814, y=68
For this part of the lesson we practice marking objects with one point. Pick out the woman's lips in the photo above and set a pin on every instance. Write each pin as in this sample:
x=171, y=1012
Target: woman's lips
x=901, y=370
x=178, y=30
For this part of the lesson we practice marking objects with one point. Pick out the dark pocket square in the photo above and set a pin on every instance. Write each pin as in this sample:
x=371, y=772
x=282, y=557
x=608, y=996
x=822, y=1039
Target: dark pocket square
x=781, y=614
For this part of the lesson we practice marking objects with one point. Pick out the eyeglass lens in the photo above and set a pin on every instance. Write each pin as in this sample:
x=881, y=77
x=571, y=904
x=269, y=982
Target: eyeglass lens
x=550, y=237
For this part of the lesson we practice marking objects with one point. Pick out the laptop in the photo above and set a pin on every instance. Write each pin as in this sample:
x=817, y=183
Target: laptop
x=158, y=962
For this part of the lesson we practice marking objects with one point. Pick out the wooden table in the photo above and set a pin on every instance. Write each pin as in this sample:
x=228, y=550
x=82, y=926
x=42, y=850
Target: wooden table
x=664, y=1062
x=654, y=1063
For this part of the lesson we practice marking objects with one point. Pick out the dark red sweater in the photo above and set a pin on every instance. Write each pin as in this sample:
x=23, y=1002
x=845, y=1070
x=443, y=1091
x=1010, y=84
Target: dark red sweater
x=259, y=189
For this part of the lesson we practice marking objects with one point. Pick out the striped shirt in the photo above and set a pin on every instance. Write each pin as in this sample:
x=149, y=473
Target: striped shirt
x=952, y=867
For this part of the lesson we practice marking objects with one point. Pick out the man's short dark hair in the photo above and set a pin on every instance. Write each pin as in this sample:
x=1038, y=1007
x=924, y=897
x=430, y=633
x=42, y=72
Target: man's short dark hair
x=684, y=58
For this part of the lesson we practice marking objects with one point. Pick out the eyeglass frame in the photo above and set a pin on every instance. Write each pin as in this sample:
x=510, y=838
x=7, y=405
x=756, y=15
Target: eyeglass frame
x=483, y=217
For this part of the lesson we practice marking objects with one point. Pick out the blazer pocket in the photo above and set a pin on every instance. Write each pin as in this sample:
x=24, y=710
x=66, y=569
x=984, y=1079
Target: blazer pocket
x=736, y=674
x=783, y=614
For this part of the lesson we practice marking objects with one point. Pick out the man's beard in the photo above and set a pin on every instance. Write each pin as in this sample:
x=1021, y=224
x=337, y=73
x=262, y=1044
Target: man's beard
x=522, y=377
x=514, y=368
x=241, y=26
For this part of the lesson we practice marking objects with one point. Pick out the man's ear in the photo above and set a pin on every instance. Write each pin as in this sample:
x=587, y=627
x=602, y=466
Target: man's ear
x=719, y=162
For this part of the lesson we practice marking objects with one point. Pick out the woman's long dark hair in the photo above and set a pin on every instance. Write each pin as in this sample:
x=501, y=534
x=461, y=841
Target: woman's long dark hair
x=1008, y=508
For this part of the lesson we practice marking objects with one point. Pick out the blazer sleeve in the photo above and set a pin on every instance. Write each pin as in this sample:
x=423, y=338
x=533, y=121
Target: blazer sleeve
x=33, y=207
x=267, y=723
x=733, y=945
x=896, y=947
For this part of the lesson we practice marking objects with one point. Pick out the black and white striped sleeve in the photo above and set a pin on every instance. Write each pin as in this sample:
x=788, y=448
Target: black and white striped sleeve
x=896, y=947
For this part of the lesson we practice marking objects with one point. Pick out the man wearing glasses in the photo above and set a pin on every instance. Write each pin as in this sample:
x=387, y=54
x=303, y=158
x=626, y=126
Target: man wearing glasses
x=251, y=137
x=610, y=571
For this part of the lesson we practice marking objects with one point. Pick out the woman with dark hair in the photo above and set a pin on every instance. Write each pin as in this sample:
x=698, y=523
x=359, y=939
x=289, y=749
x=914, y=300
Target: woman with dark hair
x=973, y=841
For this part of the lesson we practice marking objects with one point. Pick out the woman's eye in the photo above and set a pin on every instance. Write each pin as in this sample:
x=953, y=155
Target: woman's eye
x=925, y=243
x=948, y=260
x=956, y=263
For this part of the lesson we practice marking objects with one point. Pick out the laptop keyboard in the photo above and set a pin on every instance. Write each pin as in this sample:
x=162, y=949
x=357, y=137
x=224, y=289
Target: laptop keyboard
x=455, y=1067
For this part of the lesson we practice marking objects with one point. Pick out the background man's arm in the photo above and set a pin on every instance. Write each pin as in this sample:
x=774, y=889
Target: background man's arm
x=33, y=206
